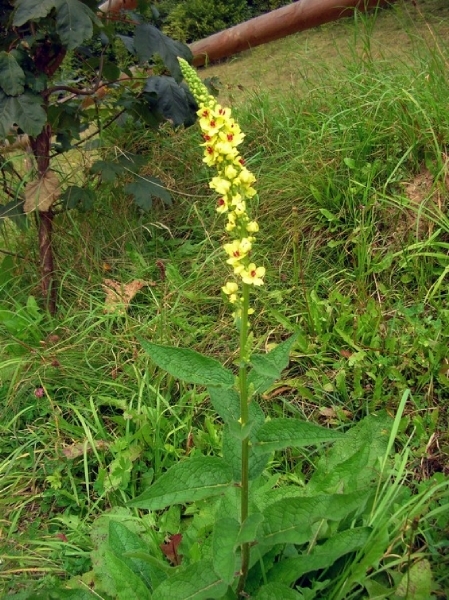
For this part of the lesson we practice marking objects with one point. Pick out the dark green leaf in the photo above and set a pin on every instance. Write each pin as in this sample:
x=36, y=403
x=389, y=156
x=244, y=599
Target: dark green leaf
x=290, y=570
x=108, y=170
x=278, y=434
x=30, y=10
x=171, y=100
x=111, y=71
x=24, y=110
x=148, y=41
x=143, y=190
x=14, y=211
x=268, y=367
x=74, y=22
x=78, y=197
x=12, y=77
x=188, y=365
x=197, y=581
x=187, y=481
x=128, y=42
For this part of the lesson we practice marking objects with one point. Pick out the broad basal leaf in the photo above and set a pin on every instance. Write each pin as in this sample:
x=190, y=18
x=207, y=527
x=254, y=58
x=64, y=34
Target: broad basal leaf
x=12, y=77
x=290, y=520
x=74, y=22
x=187, y=481
x=198, y=581
x=188, y=365
x=148, y=41
x=30, y=10
x=278, y=434
x=143, y=190
x=291, y=569
x=171, y=100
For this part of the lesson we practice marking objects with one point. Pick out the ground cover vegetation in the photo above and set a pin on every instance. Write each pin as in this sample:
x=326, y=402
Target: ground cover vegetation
x=119, y=454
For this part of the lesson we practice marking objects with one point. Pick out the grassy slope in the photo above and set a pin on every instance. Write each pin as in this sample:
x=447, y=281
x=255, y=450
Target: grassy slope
x=348, y=137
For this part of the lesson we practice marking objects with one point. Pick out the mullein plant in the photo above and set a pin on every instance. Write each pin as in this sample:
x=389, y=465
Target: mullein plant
x=243, y=548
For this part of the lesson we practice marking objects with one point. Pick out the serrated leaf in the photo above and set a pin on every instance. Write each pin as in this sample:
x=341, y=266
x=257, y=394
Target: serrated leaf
x=143, y=190
x=192, y=479
x=198, y=581
x=290, y=520
x=108, y=170
x=224, y=545
x=278, y=434
x=171, y=100
x=277, y=591
x=74, y=22
x=78, y=197
x=188, y=365
x=12, y=77
x=268, y=367
x=148, y=41
x=122, y=541
x=127, y=584
x=323, y=556
x=30, y=10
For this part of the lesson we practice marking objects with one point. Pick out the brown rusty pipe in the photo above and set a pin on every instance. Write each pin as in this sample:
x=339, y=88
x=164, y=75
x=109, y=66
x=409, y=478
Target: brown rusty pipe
x=279, y=23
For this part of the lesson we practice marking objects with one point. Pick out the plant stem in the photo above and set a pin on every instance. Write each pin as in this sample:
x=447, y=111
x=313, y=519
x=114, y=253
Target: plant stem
x=244, y=416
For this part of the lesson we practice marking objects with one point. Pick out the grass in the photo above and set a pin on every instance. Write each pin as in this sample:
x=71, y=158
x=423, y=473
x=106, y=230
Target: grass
x=348, y=135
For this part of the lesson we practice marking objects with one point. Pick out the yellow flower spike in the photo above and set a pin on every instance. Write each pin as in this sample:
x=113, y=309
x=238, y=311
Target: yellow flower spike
x=230, y=288
x=220, y=185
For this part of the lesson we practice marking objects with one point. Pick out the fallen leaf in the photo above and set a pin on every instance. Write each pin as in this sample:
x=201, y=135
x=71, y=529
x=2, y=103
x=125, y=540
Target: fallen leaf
x=118, y=295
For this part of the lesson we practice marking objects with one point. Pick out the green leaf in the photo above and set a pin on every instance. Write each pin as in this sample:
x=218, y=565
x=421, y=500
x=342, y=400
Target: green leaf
x=108, y=170
x=14, y=211
x=12, y=77
x=352, y=462
x=188, y=365
x=143, y=191
x=248, y=530
x=226, y=402
x=277, y=591
x=127, y=584
x=24, y=110
x=192, y=479
x=323, y=556
x=416, y=583
x=121, y=541
x=74, y=22
x=30, y=10
x=197, y=581
x=148, y=41
x=173, y=101
x=268, y=367
x=78, y=197
x=290, y=520
x=278, y=434
x=224, y=545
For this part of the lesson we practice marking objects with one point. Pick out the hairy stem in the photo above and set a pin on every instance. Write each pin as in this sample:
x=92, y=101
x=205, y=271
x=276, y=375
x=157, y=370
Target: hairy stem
x=244, y=416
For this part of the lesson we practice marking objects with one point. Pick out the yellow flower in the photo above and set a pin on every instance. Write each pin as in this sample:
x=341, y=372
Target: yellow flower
x=230, y=288
x=252, y=227
x=253, y=275
x=220, y=185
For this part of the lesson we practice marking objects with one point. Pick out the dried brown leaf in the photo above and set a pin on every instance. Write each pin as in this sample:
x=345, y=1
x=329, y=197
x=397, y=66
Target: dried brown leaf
x=119, y=295
x=42, y=193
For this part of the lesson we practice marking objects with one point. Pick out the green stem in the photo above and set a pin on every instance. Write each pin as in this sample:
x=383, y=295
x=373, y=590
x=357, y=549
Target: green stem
x=244, y=416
